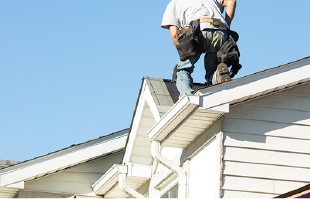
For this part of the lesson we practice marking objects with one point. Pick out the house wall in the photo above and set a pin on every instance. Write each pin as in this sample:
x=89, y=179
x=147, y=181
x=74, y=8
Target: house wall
x=202, y=175
x=200, y=160
x=76, y=180
x=266, y=145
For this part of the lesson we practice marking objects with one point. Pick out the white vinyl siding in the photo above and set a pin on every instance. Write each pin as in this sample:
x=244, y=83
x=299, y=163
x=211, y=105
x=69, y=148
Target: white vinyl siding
x=76, y=180
x=267, y=145
x=202, y=182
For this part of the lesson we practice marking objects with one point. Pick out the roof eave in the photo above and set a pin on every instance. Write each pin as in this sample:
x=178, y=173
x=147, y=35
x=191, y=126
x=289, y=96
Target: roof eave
x=107, y=181
x=59, y=161
x=215, y=101
x=177, y=113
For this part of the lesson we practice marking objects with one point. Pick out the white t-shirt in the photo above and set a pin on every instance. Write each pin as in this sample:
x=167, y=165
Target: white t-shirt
x=181, y=12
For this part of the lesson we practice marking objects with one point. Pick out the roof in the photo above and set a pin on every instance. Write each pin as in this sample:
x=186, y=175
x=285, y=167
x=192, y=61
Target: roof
x=7, y=163
x=197, y=113
x=12, y=178
x=108, y=185
x=73, y=146
x=173, y=91
x=156, y=97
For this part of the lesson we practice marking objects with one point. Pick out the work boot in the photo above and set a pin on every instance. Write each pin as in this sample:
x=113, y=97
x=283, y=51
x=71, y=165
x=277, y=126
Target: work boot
x=222, y=73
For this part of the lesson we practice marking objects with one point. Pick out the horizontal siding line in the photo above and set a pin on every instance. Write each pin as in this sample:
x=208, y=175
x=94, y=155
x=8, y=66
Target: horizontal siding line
x=272, y=150
x=267, y=149
x=275, y=107
x=299, y=167
x=261, y=178
x=266, y=135
x=270, y=121
x=275, y=194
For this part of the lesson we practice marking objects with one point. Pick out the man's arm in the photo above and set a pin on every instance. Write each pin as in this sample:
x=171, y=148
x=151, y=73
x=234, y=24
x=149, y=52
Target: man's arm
x=174, y=34
x=230, y=10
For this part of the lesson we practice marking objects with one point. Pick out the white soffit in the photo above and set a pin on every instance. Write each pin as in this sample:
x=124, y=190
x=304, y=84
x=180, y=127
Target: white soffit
x=6, y=192
x=184, y=122
x=62, y=159
x=194, y=125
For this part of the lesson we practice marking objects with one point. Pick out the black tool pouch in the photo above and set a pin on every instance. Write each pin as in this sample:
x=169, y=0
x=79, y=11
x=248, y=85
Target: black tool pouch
x=229, y=53
x=191, y=42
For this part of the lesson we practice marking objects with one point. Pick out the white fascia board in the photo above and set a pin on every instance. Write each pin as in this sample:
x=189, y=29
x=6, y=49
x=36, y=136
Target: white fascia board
x=256, y=83
x=138, y=170
x=167, y=123
x=107, y=181
x=17, y=185
x=149, y=99
x=145, y=97
x=64, y=160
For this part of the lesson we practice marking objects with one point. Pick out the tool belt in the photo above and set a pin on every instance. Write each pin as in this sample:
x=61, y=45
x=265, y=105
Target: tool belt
x=217, y=23
x=191, y=42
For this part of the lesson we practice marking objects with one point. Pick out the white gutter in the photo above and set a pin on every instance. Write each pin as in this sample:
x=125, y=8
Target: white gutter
x=181, y=109
x=122, y=169
x=171, y=166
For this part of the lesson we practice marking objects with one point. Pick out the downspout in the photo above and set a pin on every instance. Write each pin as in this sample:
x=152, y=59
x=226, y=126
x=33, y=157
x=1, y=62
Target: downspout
x=122, y=183
x=171, y=166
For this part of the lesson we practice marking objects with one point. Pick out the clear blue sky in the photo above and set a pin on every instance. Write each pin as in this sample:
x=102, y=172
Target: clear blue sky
x=71, y=70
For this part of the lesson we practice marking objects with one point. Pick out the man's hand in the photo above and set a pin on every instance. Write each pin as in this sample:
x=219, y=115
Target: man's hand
x=174, y=34
x=230, y=10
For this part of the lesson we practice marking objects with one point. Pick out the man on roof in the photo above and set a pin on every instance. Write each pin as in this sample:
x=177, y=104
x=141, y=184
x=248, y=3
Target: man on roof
x=213, y=27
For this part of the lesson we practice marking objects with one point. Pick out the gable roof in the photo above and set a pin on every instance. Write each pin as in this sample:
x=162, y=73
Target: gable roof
x=197, y=113
x=155, y=98
x=12, y=178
